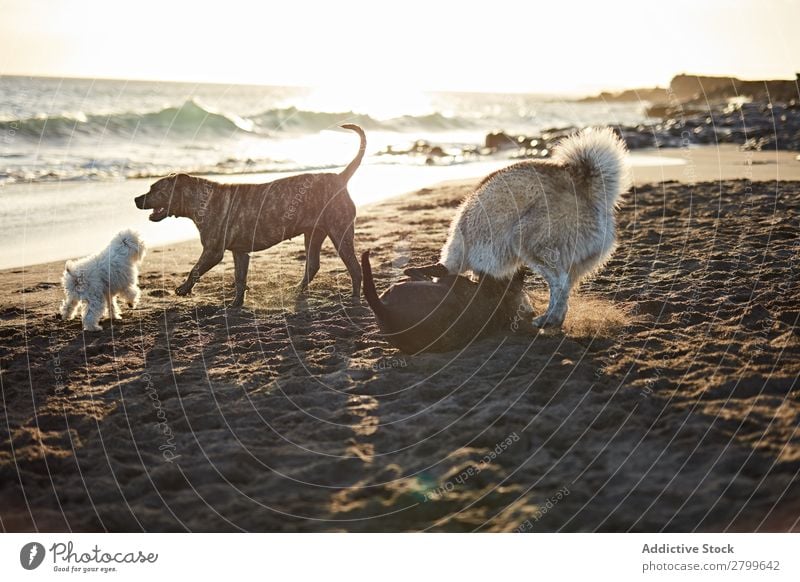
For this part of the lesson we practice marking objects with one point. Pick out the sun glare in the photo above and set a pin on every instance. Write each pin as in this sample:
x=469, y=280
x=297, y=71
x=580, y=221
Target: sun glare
x=378, y=102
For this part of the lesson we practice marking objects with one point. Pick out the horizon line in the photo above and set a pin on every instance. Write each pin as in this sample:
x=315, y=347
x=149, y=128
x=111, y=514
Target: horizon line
x=562, y=93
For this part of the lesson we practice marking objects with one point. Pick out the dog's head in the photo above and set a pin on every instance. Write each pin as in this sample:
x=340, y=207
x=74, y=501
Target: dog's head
x=130, y=244
x=166, y=197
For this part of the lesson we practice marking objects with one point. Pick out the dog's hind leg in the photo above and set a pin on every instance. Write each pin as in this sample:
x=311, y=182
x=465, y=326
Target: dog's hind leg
x=560, y=286
x=95, y=307
x=343, y=241
x=313, y=242
x=208, y=259
x=241, y=262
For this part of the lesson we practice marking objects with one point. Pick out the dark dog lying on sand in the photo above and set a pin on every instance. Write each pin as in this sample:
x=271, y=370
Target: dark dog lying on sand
x=244, y=218
x=443, y=314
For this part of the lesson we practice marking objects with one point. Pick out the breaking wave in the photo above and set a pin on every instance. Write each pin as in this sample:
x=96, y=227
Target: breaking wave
x=193, y=119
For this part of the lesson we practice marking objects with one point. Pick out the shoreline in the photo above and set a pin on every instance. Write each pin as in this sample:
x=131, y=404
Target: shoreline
x=73, y=207
x=665, y=404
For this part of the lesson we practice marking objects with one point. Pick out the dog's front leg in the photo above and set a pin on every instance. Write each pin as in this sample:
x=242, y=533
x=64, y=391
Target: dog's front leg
x=113, y=308
x=241, y=262
x=208, y=259
x=95, y=306
x=427, y=272
x=132, y=295
x=343, y=242
x=69, y=307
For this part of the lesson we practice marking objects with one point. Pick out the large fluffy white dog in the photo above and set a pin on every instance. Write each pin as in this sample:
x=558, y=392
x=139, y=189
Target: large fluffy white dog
x=93, y=283
x=556, y=217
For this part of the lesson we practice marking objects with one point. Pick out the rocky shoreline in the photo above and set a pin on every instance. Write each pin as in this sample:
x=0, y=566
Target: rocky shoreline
x=755, y=115
x=752, y=126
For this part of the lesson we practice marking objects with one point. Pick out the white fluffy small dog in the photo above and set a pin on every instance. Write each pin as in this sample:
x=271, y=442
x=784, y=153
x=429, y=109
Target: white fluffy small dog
x=93, y=283
x=557, y=217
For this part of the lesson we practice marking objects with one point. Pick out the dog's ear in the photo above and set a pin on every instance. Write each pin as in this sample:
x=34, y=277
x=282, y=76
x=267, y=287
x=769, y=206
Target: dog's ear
x=69, y=266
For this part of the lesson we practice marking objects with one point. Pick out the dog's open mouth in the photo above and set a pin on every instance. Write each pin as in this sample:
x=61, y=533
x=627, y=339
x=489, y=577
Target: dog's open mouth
x=158, y=214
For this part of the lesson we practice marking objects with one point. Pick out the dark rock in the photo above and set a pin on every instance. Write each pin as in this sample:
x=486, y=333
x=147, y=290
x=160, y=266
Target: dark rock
x=500, y=141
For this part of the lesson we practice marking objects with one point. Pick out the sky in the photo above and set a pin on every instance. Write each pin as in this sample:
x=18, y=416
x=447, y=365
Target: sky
x=557, y=47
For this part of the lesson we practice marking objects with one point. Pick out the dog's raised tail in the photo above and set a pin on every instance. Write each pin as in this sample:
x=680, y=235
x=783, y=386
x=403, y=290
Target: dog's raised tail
x=600, y=157
x=351, y=168
x=370, y=292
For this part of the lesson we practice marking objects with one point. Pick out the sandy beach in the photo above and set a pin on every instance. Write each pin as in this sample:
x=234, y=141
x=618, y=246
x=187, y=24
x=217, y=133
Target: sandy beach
x=667, y=403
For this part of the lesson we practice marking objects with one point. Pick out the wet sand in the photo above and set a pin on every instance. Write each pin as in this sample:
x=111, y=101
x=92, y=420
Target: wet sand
x=43, y=222
x=668, y=402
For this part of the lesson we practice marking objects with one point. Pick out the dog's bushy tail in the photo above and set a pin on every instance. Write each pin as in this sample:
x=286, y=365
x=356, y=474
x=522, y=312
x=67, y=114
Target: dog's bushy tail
x=351, y=168
x=600, y=157
x=370, y=293
x=70, y=279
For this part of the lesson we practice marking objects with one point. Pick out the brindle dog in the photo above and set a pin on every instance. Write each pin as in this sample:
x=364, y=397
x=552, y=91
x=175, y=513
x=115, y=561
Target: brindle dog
x=443, y=314
x=244, y=218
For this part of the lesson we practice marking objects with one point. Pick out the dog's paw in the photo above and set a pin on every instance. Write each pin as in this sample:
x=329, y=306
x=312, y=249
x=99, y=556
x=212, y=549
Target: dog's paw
x=414, y=273
x=183, y=290
x=94, y=328
x=545, y=321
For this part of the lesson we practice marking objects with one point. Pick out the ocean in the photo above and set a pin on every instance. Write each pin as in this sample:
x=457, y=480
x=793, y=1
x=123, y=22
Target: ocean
x=82, y=129
x=74, y=152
